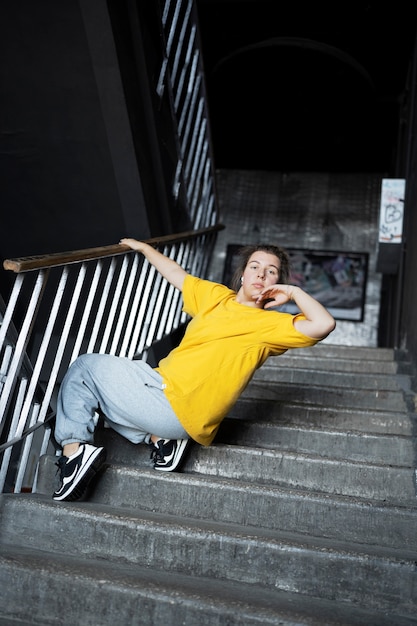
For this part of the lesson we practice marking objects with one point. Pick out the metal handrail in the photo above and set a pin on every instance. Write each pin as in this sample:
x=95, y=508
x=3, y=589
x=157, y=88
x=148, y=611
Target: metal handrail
x=42, y=261
x=105, y=300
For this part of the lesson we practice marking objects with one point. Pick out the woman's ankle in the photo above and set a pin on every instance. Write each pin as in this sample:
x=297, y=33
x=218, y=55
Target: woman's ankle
x=69, y=449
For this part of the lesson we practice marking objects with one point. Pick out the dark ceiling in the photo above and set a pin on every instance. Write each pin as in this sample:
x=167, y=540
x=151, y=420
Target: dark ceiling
x=299, y=87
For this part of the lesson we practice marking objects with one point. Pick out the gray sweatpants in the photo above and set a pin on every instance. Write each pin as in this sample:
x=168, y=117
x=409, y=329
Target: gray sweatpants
x=128, y=393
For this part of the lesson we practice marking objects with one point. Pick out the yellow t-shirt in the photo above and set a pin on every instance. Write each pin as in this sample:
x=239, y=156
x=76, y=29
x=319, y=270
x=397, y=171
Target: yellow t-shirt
x=223, y=345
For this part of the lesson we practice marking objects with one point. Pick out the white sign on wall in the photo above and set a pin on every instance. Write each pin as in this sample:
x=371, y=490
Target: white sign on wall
x=391, y=211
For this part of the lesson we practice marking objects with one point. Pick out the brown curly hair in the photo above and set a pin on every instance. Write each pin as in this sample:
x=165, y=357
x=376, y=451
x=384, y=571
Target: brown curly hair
x=246, y=252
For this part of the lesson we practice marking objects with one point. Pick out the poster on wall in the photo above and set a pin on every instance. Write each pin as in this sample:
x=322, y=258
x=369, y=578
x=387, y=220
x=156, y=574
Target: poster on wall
x=337, y=279
x=391, y=210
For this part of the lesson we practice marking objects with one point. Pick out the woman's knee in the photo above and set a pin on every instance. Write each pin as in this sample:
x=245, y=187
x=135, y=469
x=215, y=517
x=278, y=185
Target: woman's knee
x=85, y=359
x=89, y=362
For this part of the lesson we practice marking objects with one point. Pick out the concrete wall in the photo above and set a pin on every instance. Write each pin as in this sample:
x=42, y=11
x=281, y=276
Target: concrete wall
x=409, y=293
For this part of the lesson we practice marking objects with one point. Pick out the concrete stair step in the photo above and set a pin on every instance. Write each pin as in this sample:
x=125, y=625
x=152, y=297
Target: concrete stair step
x=374, y=445
x=327, y=396
x=382, y=483
x=278, y=374
x=334, y=475
x=354, y=520
x=305, y=414
x=302, y=359
x=342, y=366
x=347, y=358
x=302, y=512
x=129, y=481
x=336, y=444
x=353, y=353
x=381, y=579
x=124, y=594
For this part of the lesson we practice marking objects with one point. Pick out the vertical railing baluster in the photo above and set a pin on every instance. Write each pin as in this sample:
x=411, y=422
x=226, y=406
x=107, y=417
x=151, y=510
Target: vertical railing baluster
x=12, y=432
x=42, y=351
x=159, y=303
x=114, y=305
x=138, y=270
x=139, y=324
x=11, y=305
x=22, y=341
x=87, y=310
x=7, y=357
x=102, y=306
x=148, y=311
x=24, y=457
x=125, y=298
x=63, y=340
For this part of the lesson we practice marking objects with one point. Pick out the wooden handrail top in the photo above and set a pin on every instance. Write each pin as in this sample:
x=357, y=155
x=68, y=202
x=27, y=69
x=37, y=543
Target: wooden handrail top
x=43, y=261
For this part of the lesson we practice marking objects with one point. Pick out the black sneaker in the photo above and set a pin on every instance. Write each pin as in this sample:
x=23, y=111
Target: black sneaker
x=77, y=471
x=167, y=454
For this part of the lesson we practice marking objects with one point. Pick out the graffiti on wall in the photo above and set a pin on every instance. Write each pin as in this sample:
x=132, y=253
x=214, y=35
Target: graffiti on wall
x=391, y=211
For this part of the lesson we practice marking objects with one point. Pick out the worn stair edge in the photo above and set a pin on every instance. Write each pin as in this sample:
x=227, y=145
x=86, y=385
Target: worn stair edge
x=338, y=351
x=377, y=482
x=379, y=579
x=12, y=621
x=336, y=444
x=266, y=506
x=319, y=362
x=65, y=591
x=325, y=378
x=372, y=399
x=316, y=415
x=353, y=359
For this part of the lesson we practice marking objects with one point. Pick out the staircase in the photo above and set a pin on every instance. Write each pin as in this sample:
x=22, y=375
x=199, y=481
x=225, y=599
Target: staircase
x=303, y=512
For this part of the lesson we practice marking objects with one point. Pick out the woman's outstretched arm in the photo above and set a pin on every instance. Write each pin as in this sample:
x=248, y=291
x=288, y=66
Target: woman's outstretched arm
x=168, y=268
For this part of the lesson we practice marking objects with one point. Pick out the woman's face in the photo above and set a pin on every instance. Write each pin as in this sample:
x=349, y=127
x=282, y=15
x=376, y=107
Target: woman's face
x=262, y=270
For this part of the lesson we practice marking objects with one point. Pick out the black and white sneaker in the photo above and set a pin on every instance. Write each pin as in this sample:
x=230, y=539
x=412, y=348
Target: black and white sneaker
x=167, y=454
x=77, y=471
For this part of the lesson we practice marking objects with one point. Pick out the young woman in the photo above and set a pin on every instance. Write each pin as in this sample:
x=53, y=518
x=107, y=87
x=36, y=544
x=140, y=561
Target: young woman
x=232, y=332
